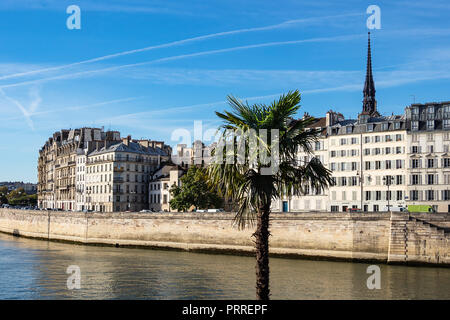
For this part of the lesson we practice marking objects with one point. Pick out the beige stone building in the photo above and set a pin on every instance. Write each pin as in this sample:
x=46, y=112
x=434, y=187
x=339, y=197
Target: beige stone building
x=160, y=184
x=428, y=154
x=89, y=169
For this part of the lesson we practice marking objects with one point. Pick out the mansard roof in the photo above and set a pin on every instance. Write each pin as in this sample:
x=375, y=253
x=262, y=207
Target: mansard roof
x=132, y=147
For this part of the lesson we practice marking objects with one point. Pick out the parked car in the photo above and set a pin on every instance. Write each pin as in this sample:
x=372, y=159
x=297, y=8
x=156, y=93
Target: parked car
x=145, y=210
x=215, y=210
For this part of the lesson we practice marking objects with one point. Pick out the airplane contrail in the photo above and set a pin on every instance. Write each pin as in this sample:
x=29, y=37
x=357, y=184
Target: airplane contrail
x=184, y=56
x=178, y=42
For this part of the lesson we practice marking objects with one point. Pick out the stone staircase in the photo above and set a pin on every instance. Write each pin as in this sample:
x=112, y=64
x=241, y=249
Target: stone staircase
x=417, y=241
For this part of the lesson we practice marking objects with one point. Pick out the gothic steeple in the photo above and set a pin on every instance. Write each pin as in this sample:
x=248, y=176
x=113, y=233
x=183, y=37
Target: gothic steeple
x=369, y=102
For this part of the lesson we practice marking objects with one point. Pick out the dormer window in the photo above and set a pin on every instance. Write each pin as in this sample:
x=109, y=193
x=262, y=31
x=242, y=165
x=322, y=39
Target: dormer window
x=370, y=127
x=349, y=129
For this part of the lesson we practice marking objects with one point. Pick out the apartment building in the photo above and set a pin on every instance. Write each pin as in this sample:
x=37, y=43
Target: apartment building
x=159, y=187
x=428, y=154
x=311, y=199
x=89, y=169
x=57, y=166
x=368, y=160
x=117, y=175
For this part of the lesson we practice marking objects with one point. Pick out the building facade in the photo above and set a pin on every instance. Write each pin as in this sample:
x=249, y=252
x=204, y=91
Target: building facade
x=380, y=162
x=428, y=156
x=160, y=184
x=89, y=169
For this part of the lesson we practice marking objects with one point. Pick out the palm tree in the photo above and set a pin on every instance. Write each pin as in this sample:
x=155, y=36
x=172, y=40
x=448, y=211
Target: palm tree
x=244, y=181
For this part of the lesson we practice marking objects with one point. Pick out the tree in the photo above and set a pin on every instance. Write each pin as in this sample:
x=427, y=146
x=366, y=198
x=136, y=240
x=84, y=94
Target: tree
x=194, y=191
x=3, y=195
x=20, y=197
x=246, y=181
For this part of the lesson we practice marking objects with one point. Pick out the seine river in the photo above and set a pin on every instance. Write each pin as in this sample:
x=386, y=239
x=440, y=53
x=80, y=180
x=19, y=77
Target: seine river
x=34, y=269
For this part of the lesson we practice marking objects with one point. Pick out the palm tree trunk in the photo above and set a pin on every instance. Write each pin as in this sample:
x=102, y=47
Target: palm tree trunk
x=262, y=253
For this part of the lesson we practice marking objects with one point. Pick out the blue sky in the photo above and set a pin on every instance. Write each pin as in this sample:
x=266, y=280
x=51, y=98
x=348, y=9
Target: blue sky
x=149, y=67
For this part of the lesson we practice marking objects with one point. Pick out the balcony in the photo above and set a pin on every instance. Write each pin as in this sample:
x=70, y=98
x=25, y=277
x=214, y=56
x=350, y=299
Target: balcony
x=118, y=180
x=117, y=169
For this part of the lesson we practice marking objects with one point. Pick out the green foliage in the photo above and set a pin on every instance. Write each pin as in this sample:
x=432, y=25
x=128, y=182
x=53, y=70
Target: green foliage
x=19, y=197
x=194, y=191
x=243, y=181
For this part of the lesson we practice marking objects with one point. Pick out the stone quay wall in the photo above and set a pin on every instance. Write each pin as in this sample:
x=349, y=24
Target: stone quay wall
x=382, y=237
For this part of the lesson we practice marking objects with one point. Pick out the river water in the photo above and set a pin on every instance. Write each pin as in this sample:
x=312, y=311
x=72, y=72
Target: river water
x=35, y=269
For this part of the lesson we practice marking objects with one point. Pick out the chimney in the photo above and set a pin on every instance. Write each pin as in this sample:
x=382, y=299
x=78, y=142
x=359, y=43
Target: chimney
x=144, y=143
x=329, y=118
x=126, y=141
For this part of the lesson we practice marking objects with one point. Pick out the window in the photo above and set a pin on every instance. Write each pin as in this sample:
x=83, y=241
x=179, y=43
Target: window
x=430, y=178
x=397, y=126
x=415, y=179
x=385, y=126
x=369, y=127
x=367, y=165
x=367, y=152
x=389, y=195
x=414, y=195
x=414, y=125
x=377, y=165
x=354, y=181
x=445, y=194
x=349, y=129
x=430, y=195
x=430, y=124
x=377, y=151
x=343, y=153
x=387, y=138
x=354, y=140
x=334, y=208
x=317, y=146
x=377, y=139
x=368, y=193
x=387, y=150
x=378, y=195
x=388, y=164
x=414, y=149
x=398, y=150
x=333, y=154
x=343, y=141
x=399, y=195
x=366, y=139
x=430, y=163
x=399, y=179
x=375, y=208
x=446, y=123
x=446, y=162
x=398, y=137
x=354, y=166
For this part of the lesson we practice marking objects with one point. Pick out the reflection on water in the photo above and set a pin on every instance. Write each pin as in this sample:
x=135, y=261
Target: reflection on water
x=34, y=269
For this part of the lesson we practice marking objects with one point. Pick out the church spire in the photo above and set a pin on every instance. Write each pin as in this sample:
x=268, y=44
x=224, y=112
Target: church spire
x=369, y=102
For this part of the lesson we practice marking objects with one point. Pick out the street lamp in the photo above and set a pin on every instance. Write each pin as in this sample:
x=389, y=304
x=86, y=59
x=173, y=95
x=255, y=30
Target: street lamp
x=387, y=181
x=360, y=177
